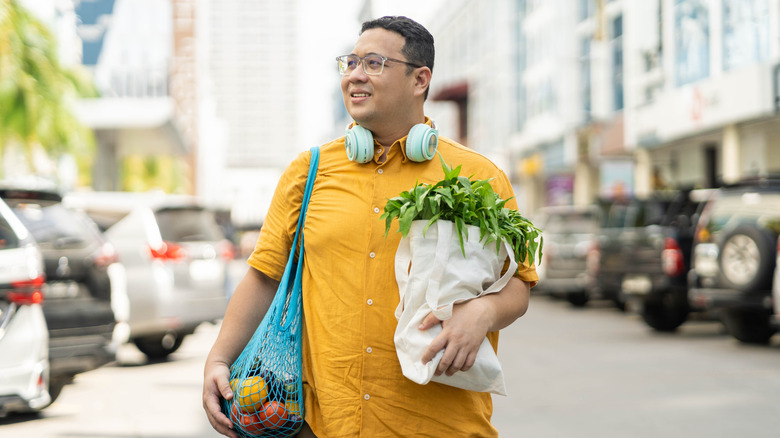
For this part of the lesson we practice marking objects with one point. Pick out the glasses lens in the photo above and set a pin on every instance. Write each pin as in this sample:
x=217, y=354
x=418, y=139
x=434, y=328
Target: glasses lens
x=373, y=64
x=347, y=63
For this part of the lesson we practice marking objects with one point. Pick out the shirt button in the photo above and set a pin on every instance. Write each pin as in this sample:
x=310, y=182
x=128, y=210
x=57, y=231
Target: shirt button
x=369, y=350
x=372, y=255
x=380, y=171
x=376, y=209
x=366, y=396
x=369, y=301
x=379, y=151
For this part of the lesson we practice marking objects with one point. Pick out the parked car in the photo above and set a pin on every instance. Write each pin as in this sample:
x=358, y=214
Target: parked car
x=641, y=254
x=735, y=256
x=654, y=279
x=568, y=235
x=77, y=291
x=24, y=339
x=176, y=258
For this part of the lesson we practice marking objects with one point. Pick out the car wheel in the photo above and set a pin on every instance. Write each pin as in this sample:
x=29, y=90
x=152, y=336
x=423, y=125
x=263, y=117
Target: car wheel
x=578, y=299
x=667, y=313
x=749, y=326
x=159, y=347
x=56, y=384
x=747, y=258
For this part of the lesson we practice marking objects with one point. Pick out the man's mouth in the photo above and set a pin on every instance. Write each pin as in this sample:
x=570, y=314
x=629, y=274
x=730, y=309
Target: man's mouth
x=359, y=94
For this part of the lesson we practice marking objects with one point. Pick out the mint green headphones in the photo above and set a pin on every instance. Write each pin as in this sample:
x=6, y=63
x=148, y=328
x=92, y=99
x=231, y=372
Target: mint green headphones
x=421, y=143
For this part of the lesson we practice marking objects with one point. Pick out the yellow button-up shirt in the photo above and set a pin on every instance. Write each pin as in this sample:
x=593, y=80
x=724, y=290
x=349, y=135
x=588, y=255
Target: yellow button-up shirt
x=353, y=384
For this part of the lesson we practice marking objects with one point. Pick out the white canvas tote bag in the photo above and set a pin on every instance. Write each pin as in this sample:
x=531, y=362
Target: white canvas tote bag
x=432, y=276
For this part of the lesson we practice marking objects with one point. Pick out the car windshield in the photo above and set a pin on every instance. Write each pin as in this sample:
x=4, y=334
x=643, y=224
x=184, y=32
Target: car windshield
x=55, y=226
x=188, y=225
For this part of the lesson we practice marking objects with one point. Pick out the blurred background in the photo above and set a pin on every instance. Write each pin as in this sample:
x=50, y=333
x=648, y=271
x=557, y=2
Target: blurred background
x=574, y=99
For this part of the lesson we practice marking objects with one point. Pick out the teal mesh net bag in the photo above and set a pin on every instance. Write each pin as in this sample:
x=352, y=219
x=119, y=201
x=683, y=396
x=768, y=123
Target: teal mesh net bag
x=266, y=377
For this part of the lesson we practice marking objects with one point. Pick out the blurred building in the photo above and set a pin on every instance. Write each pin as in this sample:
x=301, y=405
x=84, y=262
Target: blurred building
x=252, y=90
x=610, y=98
x=702, y=90
x=140, y=52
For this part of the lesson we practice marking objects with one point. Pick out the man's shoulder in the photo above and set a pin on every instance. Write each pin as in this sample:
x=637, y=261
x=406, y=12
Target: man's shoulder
x=455, y=153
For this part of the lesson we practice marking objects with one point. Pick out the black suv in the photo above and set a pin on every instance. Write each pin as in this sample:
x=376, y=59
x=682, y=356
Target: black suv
x=77, y=304
x=734, y=253
x=642, y=252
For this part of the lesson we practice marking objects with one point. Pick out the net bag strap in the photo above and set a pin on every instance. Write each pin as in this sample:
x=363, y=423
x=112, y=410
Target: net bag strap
x=293, y=302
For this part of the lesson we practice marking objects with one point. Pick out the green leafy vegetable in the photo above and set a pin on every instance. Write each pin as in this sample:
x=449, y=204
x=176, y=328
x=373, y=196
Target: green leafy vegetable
x=465, y=202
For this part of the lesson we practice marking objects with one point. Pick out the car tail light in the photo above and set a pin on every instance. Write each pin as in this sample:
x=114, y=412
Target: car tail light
x=672, y=258
x=227, y=250
x=593, y=259
x=27, y=291
x=168, y=251
x=106, y=255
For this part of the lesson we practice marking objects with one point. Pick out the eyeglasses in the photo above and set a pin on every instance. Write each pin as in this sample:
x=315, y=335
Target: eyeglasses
x=373, y=64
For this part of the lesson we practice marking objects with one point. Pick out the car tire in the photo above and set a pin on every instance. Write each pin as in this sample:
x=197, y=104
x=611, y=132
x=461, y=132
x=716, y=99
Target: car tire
x=667, y=312
x=749, y=326
x=747, y=258
x=578, y=299
x=159, y=347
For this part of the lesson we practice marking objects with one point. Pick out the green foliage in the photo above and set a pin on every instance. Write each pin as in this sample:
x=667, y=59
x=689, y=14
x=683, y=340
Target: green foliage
x=36, y=92
x=464, y=201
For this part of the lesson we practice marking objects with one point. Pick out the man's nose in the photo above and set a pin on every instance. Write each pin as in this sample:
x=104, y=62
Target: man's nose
x=359, y=74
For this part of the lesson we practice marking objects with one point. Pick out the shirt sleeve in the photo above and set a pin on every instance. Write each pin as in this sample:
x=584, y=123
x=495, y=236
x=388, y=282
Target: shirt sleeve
x=272, y=249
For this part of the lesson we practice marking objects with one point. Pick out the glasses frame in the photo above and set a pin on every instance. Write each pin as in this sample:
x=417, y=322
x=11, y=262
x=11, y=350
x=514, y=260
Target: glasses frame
x=363, y=60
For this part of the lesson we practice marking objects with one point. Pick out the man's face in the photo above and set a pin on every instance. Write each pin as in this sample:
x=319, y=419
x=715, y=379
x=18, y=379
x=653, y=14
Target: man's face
x=374, y=101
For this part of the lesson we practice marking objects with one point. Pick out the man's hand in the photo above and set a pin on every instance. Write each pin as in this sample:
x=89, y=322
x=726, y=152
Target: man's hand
x=216, y=384
x=471, y=321
x=460, y=337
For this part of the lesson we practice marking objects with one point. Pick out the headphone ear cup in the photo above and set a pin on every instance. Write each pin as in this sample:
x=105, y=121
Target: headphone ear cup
x=359, y=143
x=421, y=143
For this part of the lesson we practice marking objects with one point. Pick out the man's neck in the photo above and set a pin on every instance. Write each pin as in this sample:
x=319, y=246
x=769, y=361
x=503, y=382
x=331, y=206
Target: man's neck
x=389, y=135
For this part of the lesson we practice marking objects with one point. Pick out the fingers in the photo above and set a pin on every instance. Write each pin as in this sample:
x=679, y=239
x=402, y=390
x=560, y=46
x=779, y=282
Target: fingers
x=215, y=386
x=436, y=346
x=429, y=321
x=219, y=421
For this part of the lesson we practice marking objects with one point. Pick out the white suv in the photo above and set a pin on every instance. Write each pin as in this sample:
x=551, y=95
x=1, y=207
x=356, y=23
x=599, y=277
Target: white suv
x=24, y=337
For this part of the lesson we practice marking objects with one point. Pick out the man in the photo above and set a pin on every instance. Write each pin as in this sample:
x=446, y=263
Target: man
x=353, y=384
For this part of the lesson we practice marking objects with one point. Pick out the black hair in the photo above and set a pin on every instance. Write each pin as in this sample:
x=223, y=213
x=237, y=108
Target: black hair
x=418, y=42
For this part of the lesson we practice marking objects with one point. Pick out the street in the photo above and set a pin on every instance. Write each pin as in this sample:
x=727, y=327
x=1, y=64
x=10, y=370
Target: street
x=593, y=372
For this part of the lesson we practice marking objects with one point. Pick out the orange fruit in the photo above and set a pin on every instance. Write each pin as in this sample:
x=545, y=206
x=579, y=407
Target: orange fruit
x=293, y=408
x=273, y=415
x=251, y=423
x=250, y=393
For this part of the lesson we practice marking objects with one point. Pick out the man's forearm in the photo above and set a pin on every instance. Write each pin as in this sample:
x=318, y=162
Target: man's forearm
x=508, y=304
x=248, y=305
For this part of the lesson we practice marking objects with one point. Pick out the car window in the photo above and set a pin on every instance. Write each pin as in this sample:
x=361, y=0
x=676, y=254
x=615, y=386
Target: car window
x=8, y=238
x=188, y=225
x=749, y=207
x=54, y=226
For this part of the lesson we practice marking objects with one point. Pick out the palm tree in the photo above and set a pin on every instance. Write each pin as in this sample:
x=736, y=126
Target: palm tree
x=36, y=92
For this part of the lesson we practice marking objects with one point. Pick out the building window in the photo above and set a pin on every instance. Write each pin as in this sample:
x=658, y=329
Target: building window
x=521, y=64
x=585, y=79
x=616, y=44
x=745, y=32
x=586, y=9
x=691, y=41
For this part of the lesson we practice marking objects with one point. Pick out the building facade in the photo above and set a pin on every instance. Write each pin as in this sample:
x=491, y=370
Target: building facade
x=612, y=98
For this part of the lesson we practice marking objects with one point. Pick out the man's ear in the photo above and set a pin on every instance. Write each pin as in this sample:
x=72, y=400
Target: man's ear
x=422, y=80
